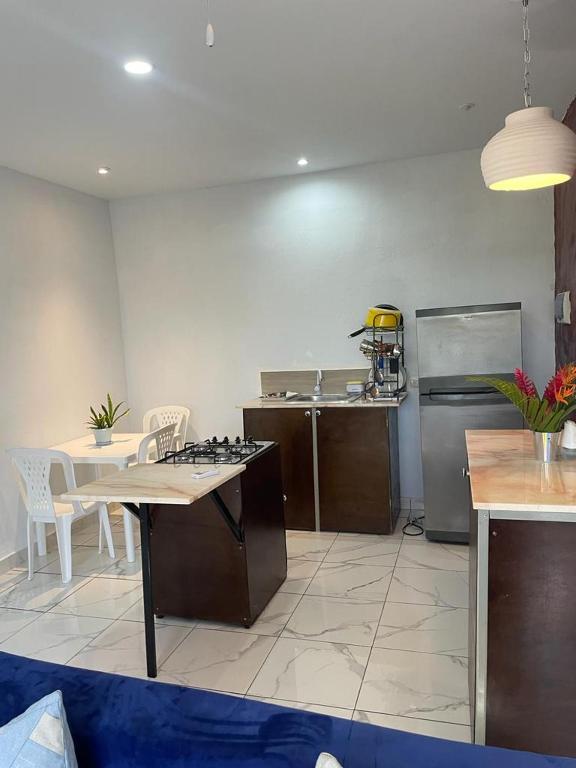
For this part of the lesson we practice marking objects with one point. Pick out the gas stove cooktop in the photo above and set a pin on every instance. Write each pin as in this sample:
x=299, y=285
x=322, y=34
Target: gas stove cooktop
x=216, y=451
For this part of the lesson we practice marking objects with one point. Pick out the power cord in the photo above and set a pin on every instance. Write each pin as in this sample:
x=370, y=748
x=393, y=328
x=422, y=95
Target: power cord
x=413, y=522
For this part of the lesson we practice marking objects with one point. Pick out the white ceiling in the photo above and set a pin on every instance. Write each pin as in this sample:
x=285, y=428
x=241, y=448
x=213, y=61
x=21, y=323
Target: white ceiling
x=341, y=81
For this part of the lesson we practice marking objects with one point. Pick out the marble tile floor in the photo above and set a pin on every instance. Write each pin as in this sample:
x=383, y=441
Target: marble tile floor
x=370, y=628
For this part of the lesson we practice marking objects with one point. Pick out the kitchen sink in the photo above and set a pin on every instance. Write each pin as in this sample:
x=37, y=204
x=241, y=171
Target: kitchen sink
x=323, y=398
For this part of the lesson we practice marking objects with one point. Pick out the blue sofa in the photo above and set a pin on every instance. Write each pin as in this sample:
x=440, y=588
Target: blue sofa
x=118, y=721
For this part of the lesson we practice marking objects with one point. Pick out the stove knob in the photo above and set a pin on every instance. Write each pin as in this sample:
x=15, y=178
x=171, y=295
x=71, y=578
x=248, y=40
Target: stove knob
x=249, y=439
x=226, y=440
x=238, y=440
x=214, y=439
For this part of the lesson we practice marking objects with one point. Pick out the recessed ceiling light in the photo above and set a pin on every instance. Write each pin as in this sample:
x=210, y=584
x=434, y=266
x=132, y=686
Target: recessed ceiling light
x=302, y=161
x=138, y=67
x=103, y=170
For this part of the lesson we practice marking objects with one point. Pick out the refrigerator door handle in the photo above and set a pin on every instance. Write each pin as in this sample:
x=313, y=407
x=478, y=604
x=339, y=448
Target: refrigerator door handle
x=489, y=395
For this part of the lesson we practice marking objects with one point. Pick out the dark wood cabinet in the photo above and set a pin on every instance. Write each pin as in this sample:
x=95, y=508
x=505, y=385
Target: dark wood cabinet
x=201, y=570
x=356, y=457
x=358, y=486
x=523, y=635
x=531, y=675
x=291, y=428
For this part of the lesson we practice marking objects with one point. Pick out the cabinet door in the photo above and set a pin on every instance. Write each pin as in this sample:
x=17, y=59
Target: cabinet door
x=354, y=476
x=531, y=675
x=291, y=428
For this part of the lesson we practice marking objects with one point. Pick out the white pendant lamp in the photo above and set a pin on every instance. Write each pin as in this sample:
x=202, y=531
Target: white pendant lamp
x=533, y=150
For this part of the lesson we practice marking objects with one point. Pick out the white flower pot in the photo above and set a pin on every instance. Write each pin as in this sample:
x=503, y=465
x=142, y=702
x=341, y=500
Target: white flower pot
x=103, y=436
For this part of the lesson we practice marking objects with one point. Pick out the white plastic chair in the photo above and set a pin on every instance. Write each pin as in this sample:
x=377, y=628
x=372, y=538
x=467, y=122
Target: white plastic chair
x=34, y=479
x=169, y=414
x=162, y=439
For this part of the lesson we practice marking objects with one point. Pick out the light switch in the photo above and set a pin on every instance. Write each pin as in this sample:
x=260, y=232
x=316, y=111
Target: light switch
x=563, y=308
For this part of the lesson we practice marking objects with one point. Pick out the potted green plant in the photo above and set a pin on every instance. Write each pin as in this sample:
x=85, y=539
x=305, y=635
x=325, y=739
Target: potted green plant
x=545, y=415
x=102, y=422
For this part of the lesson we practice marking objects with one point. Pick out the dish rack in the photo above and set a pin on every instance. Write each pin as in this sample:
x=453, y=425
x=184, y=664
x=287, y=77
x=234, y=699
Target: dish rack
x=384, y=347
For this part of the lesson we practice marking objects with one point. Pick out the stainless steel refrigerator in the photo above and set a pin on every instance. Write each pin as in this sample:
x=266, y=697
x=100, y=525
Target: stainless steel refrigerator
x=454, y=343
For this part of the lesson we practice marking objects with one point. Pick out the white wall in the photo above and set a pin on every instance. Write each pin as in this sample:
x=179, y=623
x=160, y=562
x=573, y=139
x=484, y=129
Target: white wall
x=60, y=344
x=218, y=283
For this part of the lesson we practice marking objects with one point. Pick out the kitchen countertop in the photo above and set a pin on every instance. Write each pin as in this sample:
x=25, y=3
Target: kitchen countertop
x=505, y=476
x=153, y=484
x=269, y=403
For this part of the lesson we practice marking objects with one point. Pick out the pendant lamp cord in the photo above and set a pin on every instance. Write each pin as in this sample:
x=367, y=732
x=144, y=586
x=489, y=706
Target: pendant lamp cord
x=527, y=54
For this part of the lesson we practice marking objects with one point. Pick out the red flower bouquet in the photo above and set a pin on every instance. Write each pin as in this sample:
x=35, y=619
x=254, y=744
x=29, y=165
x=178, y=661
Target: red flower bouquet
x=542, y=414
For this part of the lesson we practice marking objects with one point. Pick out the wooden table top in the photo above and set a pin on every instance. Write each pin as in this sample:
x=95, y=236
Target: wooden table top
x=154, y=484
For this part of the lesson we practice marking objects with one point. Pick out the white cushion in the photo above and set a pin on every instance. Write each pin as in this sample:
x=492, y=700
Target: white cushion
x=326, y=760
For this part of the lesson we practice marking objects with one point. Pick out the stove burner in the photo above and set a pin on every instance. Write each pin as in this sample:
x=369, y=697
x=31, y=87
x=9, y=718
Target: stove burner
x=214, y=451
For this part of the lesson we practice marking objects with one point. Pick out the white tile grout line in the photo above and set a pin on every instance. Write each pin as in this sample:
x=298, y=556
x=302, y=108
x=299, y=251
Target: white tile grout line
x=376, y=633
x=409, y=717
x=272, y=647
x=292, y=613
x=115, y=621
x=32, y=621
x=305, y=593
x=373, y=646
x=254, y=634
x=277, y=637
x=86, y=580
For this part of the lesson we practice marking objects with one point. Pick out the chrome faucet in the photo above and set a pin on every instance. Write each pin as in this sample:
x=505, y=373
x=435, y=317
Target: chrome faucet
x=318, y=387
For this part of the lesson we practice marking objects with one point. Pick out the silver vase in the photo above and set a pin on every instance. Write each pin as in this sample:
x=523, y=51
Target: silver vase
x=547, y=445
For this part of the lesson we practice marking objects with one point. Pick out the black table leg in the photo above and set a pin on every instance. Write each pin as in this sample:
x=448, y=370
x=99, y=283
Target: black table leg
x=149, y=629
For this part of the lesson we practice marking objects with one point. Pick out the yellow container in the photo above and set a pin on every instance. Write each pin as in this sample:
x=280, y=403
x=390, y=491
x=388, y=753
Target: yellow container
x=382, y=318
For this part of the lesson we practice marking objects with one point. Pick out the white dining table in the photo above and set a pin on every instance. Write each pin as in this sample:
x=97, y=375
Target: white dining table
x=120, y=453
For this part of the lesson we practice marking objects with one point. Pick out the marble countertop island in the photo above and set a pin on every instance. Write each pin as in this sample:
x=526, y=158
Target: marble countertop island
x=154, y=484
x=505, y=475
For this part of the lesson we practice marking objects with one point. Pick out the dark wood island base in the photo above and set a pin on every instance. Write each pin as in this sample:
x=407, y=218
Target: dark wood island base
x=208, y=566
x=522, y=595
x=530, y=700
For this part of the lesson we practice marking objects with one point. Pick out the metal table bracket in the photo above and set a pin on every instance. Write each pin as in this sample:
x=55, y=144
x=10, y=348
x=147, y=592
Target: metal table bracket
x=236, y=529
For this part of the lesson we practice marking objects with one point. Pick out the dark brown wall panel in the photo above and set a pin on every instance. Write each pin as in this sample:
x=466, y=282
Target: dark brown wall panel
x=565, y=250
